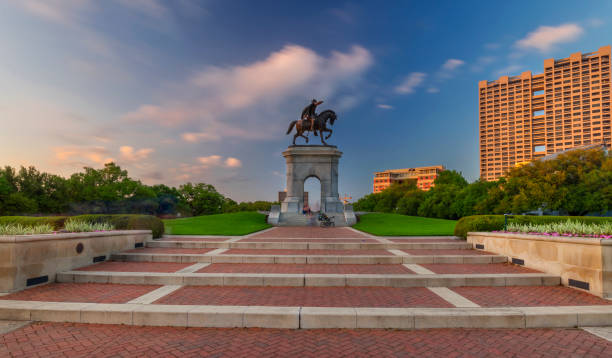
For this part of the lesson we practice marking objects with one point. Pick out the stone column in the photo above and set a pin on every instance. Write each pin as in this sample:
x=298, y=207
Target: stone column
x=305, y=161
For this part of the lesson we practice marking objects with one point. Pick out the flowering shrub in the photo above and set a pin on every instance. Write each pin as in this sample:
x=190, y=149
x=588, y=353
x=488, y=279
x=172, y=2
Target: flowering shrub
x=84, y=226
x=18, y=229
x=567, y=228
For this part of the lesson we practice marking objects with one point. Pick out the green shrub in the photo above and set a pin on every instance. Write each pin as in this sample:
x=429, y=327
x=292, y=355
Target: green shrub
x=126, y=222
x=56, y=222
x=496, y=222
x=19, y=229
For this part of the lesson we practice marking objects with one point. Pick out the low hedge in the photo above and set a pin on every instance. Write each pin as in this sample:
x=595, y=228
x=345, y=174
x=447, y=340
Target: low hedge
x=56, y=221
x=126, y=222
x=496, y=222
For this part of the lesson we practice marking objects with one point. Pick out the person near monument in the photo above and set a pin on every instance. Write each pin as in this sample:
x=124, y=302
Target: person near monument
x=309, y=113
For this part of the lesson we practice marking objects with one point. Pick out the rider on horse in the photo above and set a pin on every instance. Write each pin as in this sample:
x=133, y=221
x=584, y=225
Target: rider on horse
x=309, y=113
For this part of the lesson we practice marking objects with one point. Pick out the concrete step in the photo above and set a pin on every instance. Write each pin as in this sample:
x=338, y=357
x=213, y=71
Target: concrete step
x=305, y=317
x=312, y=259
x=305, y=280
x=297, y=245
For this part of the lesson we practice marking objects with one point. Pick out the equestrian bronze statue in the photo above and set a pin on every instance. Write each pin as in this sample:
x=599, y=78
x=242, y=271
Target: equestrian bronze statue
x=313, y=122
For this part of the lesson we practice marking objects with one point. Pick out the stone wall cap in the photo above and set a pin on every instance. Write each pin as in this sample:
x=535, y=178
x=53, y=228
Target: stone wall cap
x=564, y=239
x=68, y=236
x=312, y=150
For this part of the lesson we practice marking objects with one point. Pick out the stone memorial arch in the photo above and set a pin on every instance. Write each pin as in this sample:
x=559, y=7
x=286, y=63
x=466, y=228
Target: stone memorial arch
x=305, y=161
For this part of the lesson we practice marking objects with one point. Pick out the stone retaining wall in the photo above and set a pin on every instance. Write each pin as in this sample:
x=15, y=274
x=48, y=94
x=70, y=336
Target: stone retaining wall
x=578, y=261
x=27, y=260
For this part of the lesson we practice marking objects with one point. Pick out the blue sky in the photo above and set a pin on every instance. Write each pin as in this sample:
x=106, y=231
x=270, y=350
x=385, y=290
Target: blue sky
x=179, y=91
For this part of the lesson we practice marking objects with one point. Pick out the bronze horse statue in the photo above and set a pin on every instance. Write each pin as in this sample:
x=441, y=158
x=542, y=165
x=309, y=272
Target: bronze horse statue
x=320, y=125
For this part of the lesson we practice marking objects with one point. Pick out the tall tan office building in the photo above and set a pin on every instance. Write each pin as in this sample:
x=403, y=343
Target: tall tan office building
x=528, y=116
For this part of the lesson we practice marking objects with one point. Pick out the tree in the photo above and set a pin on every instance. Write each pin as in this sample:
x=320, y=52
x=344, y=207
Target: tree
x=201, y=198
x=410, y=202
x=440, y=201
x=576, y=182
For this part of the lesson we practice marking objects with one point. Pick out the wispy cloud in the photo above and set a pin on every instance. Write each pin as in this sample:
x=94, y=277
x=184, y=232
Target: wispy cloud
x=482, y=62
x=433, y=90
x=384, y=106
x=153, y=8
x=492, y=46
x=130, y=154
x=544, y=38
x=194, y=137
x=245, y=101
x=82, y=155
x=218, y=161
x=452, y=64
x=448, y=69
x=510, y=70
x=410, y=83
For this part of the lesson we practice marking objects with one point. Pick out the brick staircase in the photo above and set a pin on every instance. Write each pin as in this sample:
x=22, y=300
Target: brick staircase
x=309, y=277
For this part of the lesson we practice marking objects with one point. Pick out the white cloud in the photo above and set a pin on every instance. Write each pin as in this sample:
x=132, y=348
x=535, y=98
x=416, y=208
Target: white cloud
x=128, y=153
x=233, y=162
x=452, y=64
x=199, y=136
x=410, y=83
x=218, y=161
x=545, y=37
x=251, y=101
x=384, y=106
x=433, y=90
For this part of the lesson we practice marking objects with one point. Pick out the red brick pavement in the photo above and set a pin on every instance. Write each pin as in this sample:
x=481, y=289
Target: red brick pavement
x=82, y=340
x=204, y=239
x=312, y=232
x=329, y=241
x=306, y=252
x=307, y=269
x=114, y=266
x=526, y=296
x=423, y=240
x=447, y=252
x=82, y=292
x=305, y=296
x=164, y=250
x=476, y=268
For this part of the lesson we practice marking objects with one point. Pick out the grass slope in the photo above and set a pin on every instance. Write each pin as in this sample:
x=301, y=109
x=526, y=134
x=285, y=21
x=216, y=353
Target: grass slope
x=240, y=223
x=401, y=225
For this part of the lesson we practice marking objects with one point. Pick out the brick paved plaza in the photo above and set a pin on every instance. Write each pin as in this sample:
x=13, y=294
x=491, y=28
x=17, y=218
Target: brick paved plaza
x=80, y=340
x=305, y=292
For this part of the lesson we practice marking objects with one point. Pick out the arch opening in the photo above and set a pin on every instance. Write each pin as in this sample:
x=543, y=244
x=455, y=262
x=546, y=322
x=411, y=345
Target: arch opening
x=312, y=186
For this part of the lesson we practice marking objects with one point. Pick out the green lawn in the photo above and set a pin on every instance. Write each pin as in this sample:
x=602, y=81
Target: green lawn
x=241, y=223
x=402, y=225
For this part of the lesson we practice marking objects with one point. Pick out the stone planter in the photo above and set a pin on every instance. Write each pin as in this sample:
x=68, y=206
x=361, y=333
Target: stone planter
x=27, y=260
x=584, y=263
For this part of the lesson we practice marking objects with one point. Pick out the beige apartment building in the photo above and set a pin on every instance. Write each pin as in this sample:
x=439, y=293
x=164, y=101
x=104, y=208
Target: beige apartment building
x=423, y=176
x=526, y=117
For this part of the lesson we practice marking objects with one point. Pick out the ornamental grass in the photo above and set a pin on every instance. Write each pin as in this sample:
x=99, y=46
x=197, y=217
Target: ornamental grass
x=18, y=229
x=567, y=228
x=85, y=226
